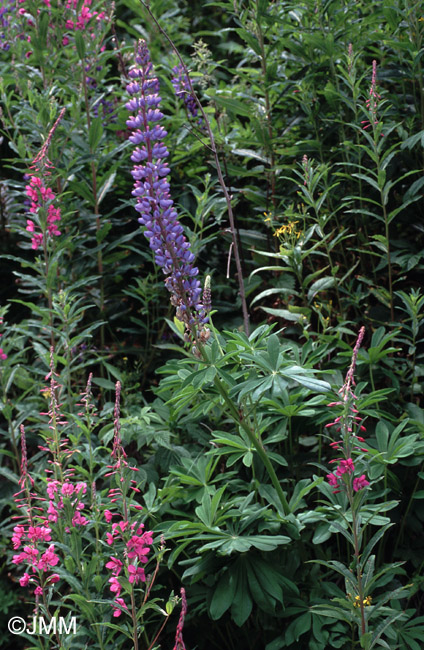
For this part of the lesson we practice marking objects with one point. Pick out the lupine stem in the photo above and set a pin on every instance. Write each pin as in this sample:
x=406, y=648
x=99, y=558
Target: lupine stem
x=239, y=419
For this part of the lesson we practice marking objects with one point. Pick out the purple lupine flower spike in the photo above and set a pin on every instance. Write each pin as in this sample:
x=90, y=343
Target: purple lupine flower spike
x=154, y=202
x=182, y=89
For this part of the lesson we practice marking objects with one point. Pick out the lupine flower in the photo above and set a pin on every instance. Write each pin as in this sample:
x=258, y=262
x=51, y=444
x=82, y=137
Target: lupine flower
x=182, y=89
x=105, y=109
x=151, y=189
x=6, y=10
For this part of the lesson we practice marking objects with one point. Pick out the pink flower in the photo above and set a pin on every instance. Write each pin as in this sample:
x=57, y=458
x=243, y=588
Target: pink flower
x=48, y=559
x=333, y=480
x=19, y=558
x=31, y=553
x=122, y=525
x=345, y=467
x=81, y=486
x=108, y=515
x=115, y=586
x=18, y=533
x=24, y=580
x=115, y=565
x=67, y=489
x=38, y=591
x=360, y=483
x=39, y=532
x=79, y=520
x=137, y=546
x=109, y=538
x=52, y=487
x=117, y=612
x=136, y=574
x=3, y=355
x=52, y=512
x=55, y=577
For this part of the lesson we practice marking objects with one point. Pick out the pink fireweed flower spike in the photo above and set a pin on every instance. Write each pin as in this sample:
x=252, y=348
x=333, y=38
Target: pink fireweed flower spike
x=373, y=99
x=347, y=424
x=346, y=390
x=41, y=158
x=179, y=642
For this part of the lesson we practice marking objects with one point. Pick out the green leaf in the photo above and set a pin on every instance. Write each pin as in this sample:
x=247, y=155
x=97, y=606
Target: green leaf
x=250, y=39
x=80, y=44
x=223, y=596
x=320, y=285
x=104, y=383
x=106, y=187
x=273, y=348
x=233, y=106
x=95, y=132
x=242, y=604
x=9, y=475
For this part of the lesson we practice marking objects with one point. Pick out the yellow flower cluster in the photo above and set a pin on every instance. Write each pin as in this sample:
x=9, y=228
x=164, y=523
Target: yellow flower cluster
x=366, y=601
x=288, y=229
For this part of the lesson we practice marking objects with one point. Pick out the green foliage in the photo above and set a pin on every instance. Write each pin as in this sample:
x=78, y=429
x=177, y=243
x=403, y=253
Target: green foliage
x=324, y=169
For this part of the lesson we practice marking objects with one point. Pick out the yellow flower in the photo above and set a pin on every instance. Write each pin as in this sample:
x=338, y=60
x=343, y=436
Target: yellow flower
x=366, y=602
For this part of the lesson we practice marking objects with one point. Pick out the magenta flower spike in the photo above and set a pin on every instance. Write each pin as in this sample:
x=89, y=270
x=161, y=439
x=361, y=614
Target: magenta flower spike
x=348, y=425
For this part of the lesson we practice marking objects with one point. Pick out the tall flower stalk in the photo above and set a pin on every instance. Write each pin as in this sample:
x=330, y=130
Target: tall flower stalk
x=350, y=483
x=154, y=203
x=44, y=212
x=343, y=479
x=221, y=180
